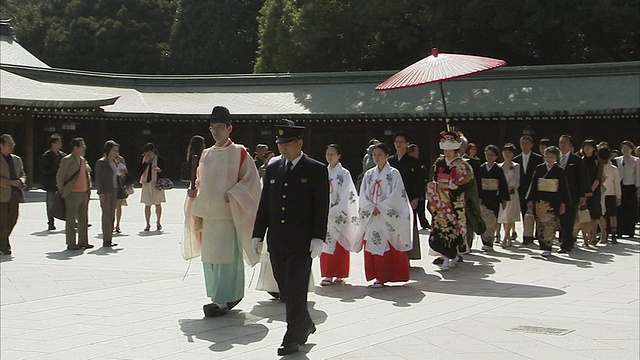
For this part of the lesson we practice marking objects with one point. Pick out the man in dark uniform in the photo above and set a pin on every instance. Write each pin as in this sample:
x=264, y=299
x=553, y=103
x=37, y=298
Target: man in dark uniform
x=294, y=206
x=577, y=178
x=413, y=180
x=528, y=161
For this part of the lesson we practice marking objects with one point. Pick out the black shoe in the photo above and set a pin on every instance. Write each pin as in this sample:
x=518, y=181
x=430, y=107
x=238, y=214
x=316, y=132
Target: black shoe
x=147, y=228
x=287, y=349
x=438, y=261
x=108, y=244
x=87, y=246
x=51, y=227
x=213, y=310
x=88, y=225
x=310, y=330
x=5, y=252
x=74, y=247
x=563, y=251
x=275, y=295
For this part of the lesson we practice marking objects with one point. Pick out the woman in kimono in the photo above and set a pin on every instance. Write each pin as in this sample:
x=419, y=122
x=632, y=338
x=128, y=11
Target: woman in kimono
x=548, y=197
x=508, y=216
x=494, y=194
x=341, y=231
x=384, y=222
x=447, y=200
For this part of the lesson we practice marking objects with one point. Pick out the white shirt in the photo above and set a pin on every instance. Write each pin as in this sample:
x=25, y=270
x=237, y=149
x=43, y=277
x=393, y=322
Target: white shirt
x=295, y=161
x=629, y=170
x=525, y=161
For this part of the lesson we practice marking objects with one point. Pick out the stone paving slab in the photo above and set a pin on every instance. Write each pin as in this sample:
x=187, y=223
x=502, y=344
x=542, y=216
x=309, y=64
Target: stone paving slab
x=140, y=300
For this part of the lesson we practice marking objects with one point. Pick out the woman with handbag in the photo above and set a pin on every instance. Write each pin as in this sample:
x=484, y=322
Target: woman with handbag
x=108, y=183
x=151, y=176
x=509, y=215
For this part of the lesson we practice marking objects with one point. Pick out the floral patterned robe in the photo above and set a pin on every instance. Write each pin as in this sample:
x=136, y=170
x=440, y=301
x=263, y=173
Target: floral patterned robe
x=447, y=199
x=383, y=189
x=343, y=210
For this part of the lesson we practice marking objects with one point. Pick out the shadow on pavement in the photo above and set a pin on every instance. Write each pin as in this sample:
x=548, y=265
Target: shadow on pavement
x=47, y=232
x=6, y=258
x=105, y=251
x=64, y=254
x=151, y=233
x=223, y=333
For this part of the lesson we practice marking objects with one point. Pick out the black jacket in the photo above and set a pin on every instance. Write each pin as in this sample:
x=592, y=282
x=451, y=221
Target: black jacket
x=525, y=177
x=294, y=206
x=161, y=165
x=411, y=173
x=577, y=179
x=49, y=164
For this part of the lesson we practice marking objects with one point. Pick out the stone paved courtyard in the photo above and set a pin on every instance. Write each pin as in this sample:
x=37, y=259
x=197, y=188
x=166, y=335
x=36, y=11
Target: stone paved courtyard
x=140, y=300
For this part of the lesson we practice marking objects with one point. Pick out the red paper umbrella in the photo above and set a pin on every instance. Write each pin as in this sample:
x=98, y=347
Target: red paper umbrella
x=439, y=67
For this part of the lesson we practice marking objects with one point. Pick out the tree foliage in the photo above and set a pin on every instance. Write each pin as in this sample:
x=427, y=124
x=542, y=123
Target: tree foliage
x=218, y=36
x=241, y=36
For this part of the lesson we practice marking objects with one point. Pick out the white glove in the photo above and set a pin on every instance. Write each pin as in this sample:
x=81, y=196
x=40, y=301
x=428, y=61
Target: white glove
x=315, y=248
x=257, y=245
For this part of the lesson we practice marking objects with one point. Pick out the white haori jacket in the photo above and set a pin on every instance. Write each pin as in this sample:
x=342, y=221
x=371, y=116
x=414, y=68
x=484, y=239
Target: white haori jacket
x=223, y=170
x=383, y=189
x=343, y=210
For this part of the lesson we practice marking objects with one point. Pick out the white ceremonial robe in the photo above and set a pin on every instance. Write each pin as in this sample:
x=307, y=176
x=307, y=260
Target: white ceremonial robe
x=222, y=170
x=343, y=209
x=383, y=189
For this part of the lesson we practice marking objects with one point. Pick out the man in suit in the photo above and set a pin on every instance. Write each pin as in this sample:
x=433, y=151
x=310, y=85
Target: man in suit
x=578, y=183
x=12, y=183
x=528, y=161
x=74, y=186
x=414, y=152
x=49, y=164
x=294, y=207
x=413, y=180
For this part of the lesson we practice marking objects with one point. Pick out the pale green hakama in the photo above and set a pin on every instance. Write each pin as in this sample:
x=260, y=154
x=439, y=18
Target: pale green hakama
x=224, y=276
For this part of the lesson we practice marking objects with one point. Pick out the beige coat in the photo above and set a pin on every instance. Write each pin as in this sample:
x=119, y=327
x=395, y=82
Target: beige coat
x=68, y=167
x=5, y=177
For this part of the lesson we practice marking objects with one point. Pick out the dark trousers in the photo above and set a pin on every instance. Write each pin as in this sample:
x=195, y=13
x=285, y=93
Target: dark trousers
x=292, y=275
x=567, y=221
x=108, y=204
x=420, y=211
x=8, y=220
x=50, y=197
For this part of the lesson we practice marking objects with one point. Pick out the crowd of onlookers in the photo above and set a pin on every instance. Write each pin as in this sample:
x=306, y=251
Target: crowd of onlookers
x=597, y=188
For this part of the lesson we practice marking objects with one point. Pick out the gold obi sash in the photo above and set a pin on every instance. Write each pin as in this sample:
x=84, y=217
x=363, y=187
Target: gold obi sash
x=548, y=185
x=490, y=184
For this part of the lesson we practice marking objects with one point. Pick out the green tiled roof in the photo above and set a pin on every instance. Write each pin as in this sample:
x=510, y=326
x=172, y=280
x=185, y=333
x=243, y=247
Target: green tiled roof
x=535, y=90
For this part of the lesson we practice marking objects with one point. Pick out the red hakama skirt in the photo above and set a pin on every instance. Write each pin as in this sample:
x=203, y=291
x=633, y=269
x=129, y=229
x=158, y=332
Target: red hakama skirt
x=336, y=264
x=393, y=266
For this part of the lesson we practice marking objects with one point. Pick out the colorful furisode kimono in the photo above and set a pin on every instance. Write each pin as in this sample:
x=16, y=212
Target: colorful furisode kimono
x=493, y=190
x=447, y=205
x=386, y=237
x=341, y=229
x=548, y=190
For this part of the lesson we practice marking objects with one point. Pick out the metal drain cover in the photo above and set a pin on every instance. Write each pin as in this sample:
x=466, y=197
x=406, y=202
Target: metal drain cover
x=542, y=330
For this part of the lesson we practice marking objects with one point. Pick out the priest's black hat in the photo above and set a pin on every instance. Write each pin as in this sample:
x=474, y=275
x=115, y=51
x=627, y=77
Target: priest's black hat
x=220, y=114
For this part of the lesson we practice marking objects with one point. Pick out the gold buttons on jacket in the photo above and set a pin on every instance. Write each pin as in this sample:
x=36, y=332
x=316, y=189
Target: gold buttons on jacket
x=286, y=184
x=282, y=221
x=284, y=196
x=282, y=208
